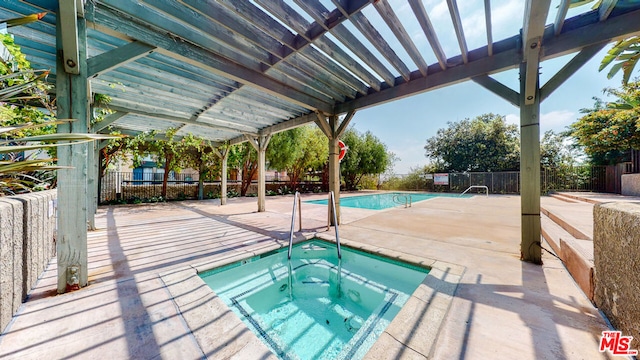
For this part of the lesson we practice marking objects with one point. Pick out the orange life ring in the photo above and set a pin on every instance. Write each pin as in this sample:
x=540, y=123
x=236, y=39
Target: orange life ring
x=343, y=150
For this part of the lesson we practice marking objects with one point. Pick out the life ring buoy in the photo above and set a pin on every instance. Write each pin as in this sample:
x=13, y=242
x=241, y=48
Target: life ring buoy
x=343, y=150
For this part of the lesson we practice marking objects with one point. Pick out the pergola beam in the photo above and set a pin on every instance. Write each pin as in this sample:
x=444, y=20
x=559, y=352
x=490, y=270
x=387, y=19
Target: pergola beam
x=487, y=20
x=236, y=129
x=421, y=14
x=118, y=57
x=532, y=31
x=371, y=33
x=108, y=120
x=605, y=8
x=68, y=24
x=507, y=56
x=457, y=26
x=498, y=88
x=560, y=16
x=389, y=16
x=106, y=20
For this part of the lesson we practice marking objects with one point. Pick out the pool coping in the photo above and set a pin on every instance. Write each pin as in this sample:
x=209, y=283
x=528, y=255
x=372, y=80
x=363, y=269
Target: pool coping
x=220, y=333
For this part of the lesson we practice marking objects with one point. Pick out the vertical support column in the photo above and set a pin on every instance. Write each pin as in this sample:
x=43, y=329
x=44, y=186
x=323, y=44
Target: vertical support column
x=263, y=142
x=333, y=129
x=92, y=183
x=224, y=155
x=73, y=102
x=334, y=168
x=530, y=249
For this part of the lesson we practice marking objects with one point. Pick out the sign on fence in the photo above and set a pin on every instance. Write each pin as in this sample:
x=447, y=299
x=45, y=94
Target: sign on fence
x=440, y=179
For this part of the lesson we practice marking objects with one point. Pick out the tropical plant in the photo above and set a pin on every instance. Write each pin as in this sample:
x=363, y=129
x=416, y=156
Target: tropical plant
x=625, y=53
x=608, y=131
x=23, y=126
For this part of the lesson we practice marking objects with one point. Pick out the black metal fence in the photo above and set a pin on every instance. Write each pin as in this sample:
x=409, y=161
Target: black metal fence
x=117, y=186
x=573, y=178
x=131, y=187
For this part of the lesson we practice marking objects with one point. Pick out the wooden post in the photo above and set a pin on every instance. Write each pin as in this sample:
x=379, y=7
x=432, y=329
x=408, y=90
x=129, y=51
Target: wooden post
x=224, y=155
x=263, y=142
x=333, y=130
x=530, y=249
x=73, y=102
x=334, y=169
x=93, y=173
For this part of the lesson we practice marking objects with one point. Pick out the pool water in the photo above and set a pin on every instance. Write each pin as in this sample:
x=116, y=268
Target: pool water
x=326, y=309
x=385, y=200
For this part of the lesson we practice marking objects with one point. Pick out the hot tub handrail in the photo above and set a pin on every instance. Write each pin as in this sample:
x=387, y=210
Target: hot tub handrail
x=335, y=222
x=297, y=207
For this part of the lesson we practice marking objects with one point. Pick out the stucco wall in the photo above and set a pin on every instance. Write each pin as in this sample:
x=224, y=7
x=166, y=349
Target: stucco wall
x=616, y=242
x=631, y=184
x=27, y=225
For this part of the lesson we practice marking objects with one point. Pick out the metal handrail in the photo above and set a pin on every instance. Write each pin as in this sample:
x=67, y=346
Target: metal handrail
x=407, y=200
x=297, y=206
x=335, y=222
x=476, y=187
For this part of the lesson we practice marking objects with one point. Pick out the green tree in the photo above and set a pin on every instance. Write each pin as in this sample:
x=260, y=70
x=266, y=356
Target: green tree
x=485, y=143
x=244, y=157
x=608, y=131
x=161, y=147
x=558, y=149
x=197, y=153
x=367, y=155
x=298, y=151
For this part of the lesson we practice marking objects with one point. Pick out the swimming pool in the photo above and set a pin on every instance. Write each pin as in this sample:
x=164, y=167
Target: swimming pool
x=315, y=306
x=384, y=200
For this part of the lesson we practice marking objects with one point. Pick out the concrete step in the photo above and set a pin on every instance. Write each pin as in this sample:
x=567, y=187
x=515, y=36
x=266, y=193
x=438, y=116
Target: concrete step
x=578, y=198
x=559, y=219
x=563, y=198
x=576, y=254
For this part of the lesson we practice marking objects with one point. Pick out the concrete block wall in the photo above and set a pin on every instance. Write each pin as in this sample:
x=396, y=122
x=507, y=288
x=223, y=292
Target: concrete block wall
x=616, y=243
x=27, y=244
x=630, y=185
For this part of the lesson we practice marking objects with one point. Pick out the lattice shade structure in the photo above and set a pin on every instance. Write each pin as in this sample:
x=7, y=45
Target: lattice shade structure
x=231, y=67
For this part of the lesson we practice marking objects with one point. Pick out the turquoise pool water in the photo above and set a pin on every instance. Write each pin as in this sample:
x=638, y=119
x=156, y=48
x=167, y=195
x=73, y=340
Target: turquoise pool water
x=384, y=201
x=315, y=306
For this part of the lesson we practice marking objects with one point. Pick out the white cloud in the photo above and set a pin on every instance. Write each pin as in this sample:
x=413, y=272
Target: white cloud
x=556, y=120
x=513, y=119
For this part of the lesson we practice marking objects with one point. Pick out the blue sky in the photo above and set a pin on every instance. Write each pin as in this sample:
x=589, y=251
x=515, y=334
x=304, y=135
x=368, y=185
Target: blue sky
x=405, y=125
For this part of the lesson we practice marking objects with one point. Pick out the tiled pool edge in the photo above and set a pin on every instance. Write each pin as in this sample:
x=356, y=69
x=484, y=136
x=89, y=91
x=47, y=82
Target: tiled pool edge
x=220, y=332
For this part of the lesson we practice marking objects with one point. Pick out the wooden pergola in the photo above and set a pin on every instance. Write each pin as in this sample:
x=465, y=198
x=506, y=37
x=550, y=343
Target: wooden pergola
x=241, y=70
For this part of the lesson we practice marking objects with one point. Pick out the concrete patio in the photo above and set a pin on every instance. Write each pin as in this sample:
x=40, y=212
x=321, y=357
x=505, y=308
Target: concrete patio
x=503, y=308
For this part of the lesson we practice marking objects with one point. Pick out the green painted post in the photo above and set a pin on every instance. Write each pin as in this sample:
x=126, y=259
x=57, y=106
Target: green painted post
x=530, y=249
x=73, y=103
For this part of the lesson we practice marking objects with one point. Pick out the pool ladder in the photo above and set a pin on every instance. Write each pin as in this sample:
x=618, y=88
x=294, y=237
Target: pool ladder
x=407, y=200
x=297, y=207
